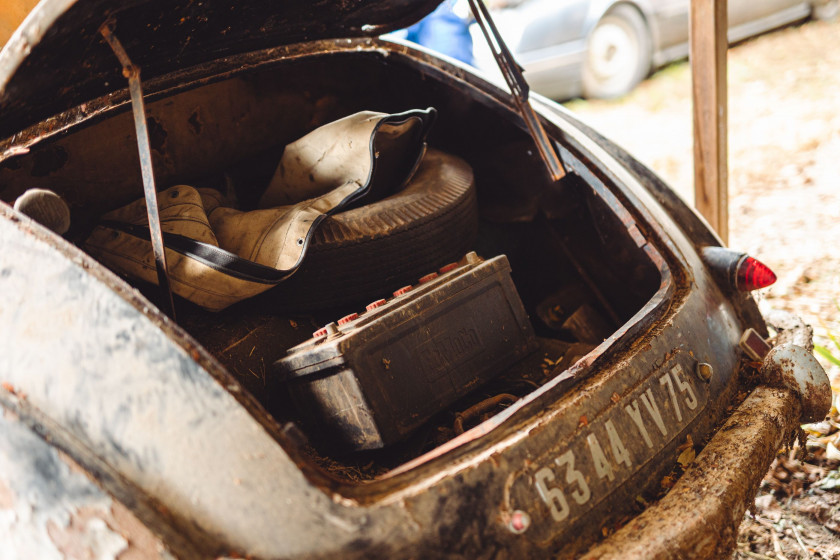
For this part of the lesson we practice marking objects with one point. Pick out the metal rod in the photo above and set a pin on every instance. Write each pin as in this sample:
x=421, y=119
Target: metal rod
x=132, y=73
x=518, y=88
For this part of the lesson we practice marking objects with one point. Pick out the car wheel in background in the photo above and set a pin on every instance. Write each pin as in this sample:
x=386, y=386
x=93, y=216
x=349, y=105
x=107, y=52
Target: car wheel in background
x=825, y=10
x=618, y=54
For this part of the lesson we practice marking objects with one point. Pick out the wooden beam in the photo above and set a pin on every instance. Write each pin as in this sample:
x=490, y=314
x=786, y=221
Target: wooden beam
x=707, y=52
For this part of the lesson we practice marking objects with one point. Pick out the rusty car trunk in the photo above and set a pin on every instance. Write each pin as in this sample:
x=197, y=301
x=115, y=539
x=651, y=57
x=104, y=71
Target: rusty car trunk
x=191, y=424
x=581, y=271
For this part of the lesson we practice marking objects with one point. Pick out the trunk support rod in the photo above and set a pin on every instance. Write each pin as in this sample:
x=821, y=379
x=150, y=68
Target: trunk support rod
x=518, y=88
x=132, y=73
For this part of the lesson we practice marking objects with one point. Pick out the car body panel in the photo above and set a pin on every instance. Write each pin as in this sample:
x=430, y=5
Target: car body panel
x=52, y=508
x=56, y=59
x=183, y=393
x=98, y=372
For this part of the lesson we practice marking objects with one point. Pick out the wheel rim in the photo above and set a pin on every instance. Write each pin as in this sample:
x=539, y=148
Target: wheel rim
x=613, y=53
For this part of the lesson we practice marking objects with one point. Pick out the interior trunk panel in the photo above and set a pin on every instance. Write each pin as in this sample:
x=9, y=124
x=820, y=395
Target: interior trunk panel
x=578, y=271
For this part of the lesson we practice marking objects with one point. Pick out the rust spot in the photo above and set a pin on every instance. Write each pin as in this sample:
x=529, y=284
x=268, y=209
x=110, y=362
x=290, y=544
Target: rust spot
x=48, y=160
x=195, y=122
x=7, y=497
x=142, y=543
x=76, y=540
x=157, y=135
x=583, y=422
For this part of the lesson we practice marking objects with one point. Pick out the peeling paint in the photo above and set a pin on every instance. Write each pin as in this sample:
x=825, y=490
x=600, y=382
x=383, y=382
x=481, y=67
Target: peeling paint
x=87, y=536
x=50, y=509
x=41, y=492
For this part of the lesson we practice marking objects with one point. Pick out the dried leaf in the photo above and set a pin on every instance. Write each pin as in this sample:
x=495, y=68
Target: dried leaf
x=686, y=457
x=831, y=452
x=831, y=482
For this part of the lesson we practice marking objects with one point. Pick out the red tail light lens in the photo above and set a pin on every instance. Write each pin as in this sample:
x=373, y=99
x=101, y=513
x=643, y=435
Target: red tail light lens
x=753, y=275
x=735, y=270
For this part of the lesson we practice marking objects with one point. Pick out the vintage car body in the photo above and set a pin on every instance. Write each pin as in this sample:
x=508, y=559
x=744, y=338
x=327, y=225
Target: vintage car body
x=557, y=44
x=124, y=431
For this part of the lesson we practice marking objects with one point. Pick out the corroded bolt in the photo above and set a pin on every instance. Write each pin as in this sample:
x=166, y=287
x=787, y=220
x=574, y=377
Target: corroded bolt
x=519, y=522
x=705, y=371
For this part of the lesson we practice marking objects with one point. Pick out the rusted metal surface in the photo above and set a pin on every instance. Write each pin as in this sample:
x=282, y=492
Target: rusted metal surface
x=150, y=407
x=484, y=407
x=138, y=109
x=272, y=496
x=699, y=517
x=51, y=509
x=660, y=207
x=135, y=401
x=42, y=73
x=795, y=368
x=792, y=329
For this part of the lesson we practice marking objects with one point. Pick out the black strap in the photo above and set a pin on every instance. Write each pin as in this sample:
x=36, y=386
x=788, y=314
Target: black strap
x=243, y=269
x=212, y=256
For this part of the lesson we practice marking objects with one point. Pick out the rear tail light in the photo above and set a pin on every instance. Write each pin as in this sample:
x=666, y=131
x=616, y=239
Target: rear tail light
x=752, y=274
x=737, y=270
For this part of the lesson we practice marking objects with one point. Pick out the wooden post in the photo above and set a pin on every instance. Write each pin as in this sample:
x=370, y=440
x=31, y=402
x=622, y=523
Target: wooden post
x=707, y=53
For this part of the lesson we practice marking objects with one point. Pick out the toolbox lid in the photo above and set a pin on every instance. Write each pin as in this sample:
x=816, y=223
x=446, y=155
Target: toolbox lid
x=57, y=58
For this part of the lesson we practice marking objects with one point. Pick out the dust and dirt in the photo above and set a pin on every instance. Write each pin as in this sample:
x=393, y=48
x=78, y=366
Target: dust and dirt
x=784, y=194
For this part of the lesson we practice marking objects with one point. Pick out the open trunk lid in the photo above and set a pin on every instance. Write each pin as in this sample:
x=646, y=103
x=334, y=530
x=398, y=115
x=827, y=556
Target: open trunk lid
x=57, y=59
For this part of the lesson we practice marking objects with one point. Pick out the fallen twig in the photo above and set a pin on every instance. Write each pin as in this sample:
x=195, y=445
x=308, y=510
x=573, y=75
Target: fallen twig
x=799, y=540
x=755, y=555
x=777, y=548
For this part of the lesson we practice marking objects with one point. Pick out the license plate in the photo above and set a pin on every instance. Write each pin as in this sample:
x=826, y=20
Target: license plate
x=564, y=483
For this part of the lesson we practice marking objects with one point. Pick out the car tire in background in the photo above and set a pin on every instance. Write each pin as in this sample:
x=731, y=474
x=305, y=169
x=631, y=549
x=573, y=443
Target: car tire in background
x=618, y=54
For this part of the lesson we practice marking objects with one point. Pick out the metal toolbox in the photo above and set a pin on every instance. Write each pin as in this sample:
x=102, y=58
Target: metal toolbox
x=369, y=379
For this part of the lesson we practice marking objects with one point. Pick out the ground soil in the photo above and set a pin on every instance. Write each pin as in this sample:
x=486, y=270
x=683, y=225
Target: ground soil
x=784, y=189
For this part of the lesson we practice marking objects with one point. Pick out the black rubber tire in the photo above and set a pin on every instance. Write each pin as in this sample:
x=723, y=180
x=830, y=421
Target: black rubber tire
x=365, y=253
x=626, y=25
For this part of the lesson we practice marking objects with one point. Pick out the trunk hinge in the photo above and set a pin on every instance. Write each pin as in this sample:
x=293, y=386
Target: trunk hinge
x=132, y=73
x=518, y=88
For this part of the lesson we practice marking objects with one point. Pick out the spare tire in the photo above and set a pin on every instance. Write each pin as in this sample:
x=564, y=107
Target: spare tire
x=363, y=254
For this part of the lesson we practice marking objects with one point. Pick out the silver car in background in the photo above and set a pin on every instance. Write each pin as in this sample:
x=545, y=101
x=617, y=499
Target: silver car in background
x=604, y=48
